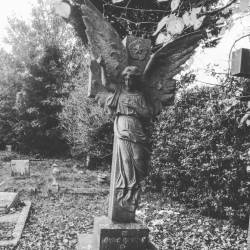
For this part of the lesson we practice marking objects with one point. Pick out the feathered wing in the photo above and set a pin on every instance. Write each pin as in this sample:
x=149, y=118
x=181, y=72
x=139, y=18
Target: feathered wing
x=163, y=65
x=104, y=41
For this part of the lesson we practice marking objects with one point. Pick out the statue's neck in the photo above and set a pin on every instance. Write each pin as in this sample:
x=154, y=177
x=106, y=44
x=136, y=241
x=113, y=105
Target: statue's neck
x=130, y=91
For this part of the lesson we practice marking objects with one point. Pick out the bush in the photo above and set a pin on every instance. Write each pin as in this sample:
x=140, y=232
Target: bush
x=199, y=152
x=87, y=127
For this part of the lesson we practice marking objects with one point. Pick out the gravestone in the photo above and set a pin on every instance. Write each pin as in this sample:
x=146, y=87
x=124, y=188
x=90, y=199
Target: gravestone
x=8, y=148
x=20, y=168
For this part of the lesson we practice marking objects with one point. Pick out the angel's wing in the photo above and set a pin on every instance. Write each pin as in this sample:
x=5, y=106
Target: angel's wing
x=163, y=65
x=104, y=41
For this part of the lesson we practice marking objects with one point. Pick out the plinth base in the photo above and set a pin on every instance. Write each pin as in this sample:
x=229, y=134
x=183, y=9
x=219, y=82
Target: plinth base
x=109, y=235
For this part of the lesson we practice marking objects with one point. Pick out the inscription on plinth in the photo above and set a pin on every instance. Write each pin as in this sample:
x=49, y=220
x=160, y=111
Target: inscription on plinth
x=119, y=236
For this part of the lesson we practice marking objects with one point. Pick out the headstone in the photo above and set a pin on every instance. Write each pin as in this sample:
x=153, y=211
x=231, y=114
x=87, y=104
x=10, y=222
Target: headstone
x=55, y=174
x=20, y=168
x=8, y=148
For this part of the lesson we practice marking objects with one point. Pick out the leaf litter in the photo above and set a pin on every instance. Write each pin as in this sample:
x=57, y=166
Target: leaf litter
x=57, y=218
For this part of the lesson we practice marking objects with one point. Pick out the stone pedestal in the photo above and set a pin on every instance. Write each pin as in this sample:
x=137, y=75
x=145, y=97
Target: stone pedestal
x=109, y=235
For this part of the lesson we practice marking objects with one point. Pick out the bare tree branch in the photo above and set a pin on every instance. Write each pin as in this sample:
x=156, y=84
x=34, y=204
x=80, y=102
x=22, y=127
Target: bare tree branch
x=217, y=10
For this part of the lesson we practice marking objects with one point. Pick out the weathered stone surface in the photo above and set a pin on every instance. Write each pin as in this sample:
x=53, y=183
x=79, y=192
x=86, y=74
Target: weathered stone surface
x=105, y=41
x=118, y=213
x=139, y=51
x=85, y=242
x=7, y=200
x=115, y=236
x=20, y=168
x=130, y=158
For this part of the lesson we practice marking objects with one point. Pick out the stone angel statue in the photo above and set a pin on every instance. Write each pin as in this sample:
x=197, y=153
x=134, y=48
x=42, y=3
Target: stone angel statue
x=134, y=84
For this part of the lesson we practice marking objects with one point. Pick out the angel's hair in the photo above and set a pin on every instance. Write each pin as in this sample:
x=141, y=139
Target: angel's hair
x=137, y=76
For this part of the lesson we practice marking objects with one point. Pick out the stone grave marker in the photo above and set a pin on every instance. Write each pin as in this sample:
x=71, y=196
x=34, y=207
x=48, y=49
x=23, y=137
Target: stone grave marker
x=8, y=148
x=20, y=168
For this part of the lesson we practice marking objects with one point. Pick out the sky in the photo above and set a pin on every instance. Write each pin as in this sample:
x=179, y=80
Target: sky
x=218, y=57
x=20, y=8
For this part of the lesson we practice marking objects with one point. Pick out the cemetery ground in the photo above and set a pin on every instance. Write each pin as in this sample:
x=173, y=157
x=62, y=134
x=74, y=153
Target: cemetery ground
x=57, y=217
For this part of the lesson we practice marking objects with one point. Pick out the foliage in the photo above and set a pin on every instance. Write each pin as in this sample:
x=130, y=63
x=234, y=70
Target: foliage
x=28, y=39
x=199, y=151
x=34, y=79
x=9, y=85
x=173, y=226
x=40, y=103
x=86, y=126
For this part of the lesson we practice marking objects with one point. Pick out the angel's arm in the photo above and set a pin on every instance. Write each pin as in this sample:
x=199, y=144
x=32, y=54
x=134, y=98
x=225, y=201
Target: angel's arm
x=141, y=108
x=108, y=84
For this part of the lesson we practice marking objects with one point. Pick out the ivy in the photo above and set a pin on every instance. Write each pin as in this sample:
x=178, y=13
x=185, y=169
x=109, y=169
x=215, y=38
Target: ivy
x=200, y=152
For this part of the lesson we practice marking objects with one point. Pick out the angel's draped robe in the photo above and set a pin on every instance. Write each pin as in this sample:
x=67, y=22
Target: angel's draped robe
x=130, y=151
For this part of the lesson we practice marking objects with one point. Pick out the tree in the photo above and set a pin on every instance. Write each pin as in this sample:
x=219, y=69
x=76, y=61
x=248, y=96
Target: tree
x=43, y=58
x=9, y=85
x=43, y=92
x=27, y=40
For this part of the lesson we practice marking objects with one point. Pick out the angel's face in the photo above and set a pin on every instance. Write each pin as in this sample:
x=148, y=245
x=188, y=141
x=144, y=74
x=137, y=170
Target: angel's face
x=129, y=80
